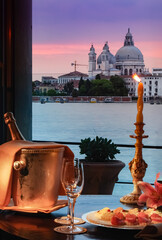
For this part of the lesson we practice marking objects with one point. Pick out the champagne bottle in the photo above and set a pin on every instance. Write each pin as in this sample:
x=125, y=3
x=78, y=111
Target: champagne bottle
x=13, y=128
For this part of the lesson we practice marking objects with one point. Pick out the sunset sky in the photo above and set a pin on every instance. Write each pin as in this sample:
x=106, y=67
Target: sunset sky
x=63, y=31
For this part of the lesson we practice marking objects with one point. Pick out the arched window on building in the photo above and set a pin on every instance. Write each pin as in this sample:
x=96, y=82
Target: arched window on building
x=130, y=71
x=125, y=71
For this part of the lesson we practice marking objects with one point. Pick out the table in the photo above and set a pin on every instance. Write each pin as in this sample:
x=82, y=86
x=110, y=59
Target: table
x=17, y=226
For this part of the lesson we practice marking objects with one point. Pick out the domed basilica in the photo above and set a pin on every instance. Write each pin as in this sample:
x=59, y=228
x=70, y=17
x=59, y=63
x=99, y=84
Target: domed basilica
x=128, y=60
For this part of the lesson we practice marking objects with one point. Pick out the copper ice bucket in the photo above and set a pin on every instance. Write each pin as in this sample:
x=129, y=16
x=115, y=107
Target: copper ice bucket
x=36, y=177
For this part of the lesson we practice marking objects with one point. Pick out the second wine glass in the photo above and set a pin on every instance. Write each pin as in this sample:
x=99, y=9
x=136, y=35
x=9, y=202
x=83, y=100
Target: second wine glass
x=73, y=181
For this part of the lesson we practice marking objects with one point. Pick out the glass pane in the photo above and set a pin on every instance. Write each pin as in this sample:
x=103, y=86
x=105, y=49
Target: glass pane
x=70, y=45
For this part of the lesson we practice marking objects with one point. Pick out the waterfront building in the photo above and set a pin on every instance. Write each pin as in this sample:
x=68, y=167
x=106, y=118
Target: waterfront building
x=157, y=71
x=37, y=82
x=152, y=87
x=128, y=60
x=44, y=88
x=72, y=76
x=49, y=80
x=105, y=63
x=130, y=84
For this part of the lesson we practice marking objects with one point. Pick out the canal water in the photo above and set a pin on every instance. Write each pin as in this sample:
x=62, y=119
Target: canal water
x=75, y=121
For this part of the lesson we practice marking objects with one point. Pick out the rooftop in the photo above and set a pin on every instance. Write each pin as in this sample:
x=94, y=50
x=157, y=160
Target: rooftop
x=74, y=74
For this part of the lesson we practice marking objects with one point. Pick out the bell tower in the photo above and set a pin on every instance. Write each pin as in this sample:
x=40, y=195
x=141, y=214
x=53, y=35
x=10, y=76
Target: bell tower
x=92, y=61
x=105, y=59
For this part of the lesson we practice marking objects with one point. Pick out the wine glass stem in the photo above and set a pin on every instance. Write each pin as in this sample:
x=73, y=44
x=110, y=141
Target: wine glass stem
x=72, y=205
x=68, y=212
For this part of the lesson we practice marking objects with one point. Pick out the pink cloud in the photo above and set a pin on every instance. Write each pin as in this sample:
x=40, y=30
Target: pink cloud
x=51, y=49
x=151, y=49
x=58, y=57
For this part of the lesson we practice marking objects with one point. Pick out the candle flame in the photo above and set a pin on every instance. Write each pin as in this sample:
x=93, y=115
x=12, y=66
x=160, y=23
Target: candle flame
x=135, y=77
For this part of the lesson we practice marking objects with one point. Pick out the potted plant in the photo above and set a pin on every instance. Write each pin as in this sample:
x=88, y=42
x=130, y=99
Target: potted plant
x=100, y=167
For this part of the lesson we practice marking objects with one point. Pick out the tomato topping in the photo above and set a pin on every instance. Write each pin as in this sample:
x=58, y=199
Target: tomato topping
x=131, y=218
x=156, y=218
x=143, y=218
x=118, y=219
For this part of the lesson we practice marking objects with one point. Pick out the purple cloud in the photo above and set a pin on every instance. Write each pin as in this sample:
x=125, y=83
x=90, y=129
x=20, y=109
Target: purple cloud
x=60, y=21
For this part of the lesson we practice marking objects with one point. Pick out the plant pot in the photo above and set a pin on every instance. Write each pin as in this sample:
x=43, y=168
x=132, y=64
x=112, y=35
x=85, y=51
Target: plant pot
x=100, y=178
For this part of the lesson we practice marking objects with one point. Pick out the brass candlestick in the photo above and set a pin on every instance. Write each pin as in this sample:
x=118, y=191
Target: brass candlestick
x=137, y=166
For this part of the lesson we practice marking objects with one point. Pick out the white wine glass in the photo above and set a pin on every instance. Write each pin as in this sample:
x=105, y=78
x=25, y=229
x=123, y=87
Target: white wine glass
x=73, y=181
x=65, y=220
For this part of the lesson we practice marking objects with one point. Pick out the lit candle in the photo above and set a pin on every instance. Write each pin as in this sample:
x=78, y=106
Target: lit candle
x=139, y=118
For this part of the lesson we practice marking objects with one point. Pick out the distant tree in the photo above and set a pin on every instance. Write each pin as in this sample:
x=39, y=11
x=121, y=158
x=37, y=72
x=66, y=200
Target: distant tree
x=81, y=82
x=51, y=92
x=88, y=85
x=98, y=77
x=35, y=93
x=75, y=93
x=83, y=90
x=119, y=86
x=101, y=87
x=68, y=88
x=84, y=87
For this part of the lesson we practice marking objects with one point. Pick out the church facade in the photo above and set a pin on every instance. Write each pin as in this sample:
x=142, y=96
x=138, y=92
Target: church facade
x=127, y=60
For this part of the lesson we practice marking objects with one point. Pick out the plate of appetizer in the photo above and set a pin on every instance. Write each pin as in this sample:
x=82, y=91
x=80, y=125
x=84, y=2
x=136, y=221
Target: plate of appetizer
x=131, y=219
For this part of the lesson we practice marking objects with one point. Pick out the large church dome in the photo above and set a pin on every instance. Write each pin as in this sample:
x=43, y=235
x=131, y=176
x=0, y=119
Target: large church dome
x=129, y=53
x=129, y=58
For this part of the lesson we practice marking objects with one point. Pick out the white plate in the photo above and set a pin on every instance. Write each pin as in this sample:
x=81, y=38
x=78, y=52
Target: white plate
x=108, y=224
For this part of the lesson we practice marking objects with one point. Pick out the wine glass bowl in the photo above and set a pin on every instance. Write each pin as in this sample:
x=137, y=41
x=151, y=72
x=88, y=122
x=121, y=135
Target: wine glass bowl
x=73, y=181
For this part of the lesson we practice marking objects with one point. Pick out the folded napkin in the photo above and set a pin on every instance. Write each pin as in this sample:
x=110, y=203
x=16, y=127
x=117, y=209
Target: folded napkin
x=59, y=204
x=8, y=153
x=151, y=232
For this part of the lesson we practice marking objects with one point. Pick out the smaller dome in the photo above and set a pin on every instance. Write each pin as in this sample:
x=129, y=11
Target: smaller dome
x=106, y=55
x=111, y=57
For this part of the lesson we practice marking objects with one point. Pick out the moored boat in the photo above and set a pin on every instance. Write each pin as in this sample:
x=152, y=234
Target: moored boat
x=43, y=100
x=108, y=100
x=57, y=100
x=93, y=100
